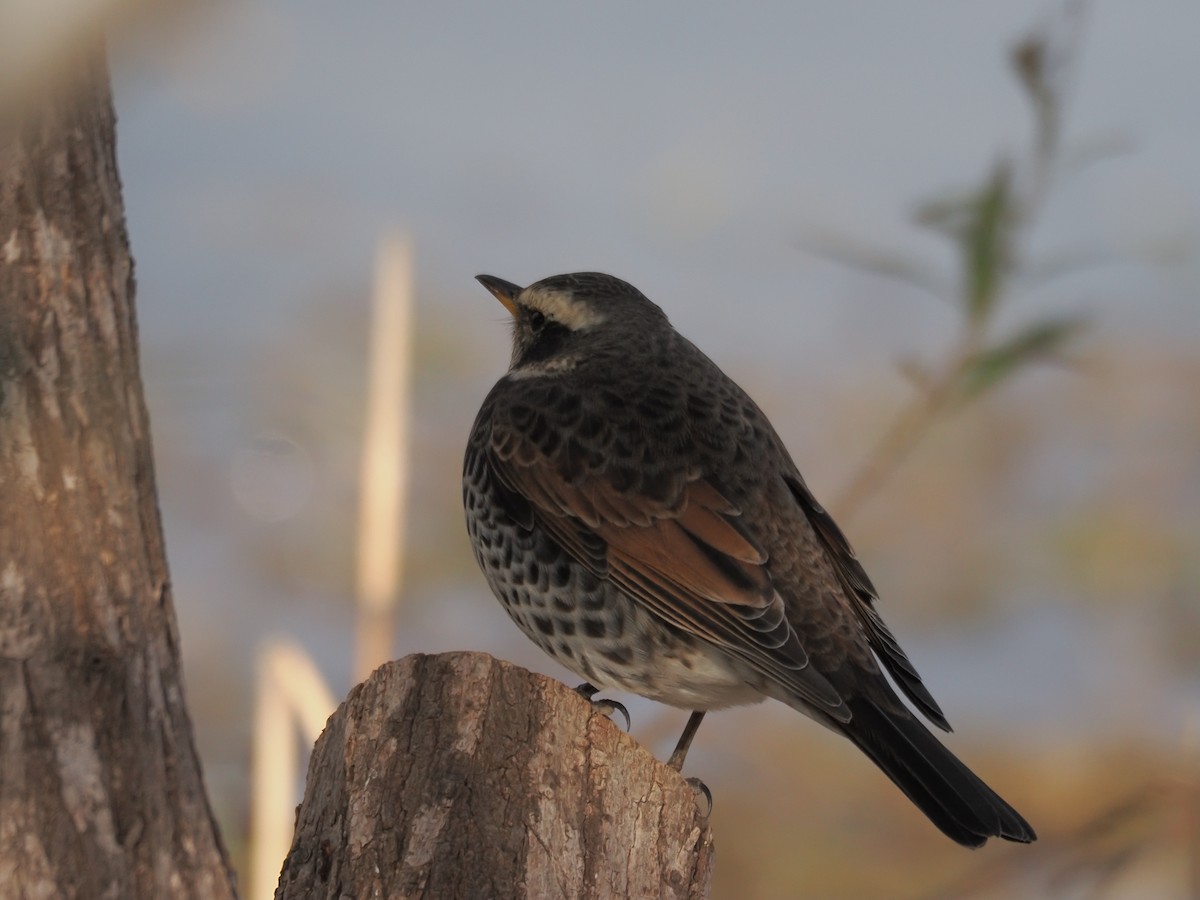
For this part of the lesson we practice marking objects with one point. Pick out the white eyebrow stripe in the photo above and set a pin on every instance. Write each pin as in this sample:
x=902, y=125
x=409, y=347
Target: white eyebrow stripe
x=562, y=308
x=543, y=368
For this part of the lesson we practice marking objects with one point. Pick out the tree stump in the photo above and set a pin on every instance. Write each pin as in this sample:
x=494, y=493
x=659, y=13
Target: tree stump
x=460, y=776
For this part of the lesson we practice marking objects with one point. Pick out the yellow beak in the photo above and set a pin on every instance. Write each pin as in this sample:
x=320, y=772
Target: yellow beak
x=504, y=291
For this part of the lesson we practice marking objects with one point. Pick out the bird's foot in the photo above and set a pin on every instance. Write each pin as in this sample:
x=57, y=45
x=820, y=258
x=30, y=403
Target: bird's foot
x=604, y=705
x=701, y=788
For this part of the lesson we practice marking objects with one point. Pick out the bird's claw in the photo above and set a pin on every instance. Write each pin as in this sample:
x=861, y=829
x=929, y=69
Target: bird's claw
x=604, y=705
x=701, y=788
x=608, y=707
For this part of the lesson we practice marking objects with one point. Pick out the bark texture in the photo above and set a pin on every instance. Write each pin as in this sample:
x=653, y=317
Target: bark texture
x=460, y=776
x=100, y=787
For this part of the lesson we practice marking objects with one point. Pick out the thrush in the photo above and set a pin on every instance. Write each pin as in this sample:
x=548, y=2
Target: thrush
x=641, y=521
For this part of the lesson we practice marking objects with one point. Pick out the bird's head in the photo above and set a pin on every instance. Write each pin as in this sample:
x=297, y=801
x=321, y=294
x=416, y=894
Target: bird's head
x=555, y=318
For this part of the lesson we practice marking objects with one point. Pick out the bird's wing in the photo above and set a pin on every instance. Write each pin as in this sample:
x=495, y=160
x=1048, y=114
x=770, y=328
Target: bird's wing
x=674, y=542
x=858, y=586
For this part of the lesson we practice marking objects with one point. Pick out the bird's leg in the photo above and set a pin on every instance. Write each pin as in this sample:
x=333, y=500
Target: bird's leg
x=681, y=749
x=604, y=705
x=685, y=740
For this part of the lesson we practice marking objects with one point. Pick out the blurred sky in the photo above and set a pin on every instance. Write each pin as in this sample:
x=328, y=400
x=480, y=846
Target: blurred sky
x=687, y=147
x=690, y=148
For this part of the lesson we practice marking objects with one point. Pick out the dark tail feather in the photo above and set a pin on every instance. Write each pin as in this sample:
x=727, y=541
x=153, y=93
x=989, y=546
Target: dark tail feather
x=953, y=797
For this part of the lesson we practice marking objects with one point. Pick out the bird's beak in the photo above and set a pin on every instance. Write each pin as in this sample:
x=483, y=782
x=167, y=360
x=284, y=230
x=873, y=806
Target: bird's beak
x=504, y=291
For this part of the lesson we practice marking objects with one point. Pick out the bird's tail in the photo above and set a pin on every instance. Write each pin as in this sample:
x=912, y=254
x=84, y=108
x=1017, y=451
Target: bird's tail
x=953, y=797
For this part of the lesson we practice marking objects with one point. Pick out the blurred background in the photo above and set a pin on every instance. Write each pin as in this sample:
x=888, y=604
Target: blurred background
x=953, y=249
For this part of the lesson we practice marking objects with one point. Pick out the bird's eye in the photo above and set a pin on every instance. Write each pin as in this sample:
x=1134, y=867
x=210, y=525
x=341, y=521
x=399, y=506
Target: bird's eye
x=536, y=320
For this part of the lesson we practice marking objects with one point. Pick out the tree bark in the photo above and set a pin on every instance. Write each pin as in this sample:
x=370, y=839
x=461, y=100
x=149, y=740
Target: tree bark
x=101, y=793
x=459, y=776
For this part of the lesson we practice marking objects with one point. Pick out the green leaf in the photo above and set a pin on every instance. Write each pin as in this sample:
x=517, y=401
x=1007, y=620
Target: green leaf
x=1029, y=62
x=1062, y=264
x=981, y=224
x=876, y=261
x=947, y=215
x=986, y=245
x=1040, y=341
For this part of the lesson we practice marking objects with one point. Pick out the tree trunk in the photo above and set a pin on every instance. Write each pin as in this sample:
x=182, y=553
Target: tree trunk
x=100, y=787
x=460, y=776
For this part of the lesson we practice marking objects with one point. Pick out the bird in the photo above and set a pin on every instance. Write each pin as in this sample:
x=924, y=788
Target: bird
x=639, y=518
